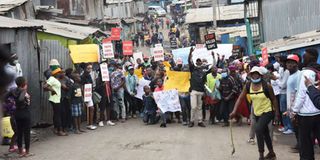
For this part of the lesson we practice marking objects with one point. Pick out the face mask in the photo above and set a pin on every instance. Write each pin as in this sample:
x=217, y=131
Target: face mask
x=224, y=75
x=255, y=80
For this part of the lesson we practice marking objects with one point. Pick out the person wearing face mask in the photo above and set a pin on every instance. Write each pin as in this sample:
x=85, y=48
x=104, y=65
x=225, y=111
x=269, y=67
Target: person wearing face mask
x=213, y=83
x=265, y=108
x=13, y=68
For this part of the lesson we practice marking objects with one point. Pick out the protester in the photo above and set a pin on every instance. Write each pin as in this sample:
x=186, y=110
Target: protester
x=163, y=115
x=131, y=84
x=213, y=83
x=13, y=68
x=117, y=85
x=264, y=108
x=150, y=106
x=307, y=113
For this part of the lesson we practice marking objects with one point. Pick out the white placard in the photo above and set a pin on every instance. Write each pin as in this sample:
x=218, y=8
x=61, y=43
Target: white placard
x=87, y=92
x=136, y=56
x=158, y=54
x=158, y=45
x=107, y=49
x=104, y=72
x=141, y=84
x=167, y=101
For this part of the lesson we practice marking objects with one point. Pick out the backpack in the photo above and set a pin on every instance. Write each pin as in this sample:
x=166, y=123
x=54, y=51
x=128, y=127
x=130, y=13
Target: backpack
x=264, y=88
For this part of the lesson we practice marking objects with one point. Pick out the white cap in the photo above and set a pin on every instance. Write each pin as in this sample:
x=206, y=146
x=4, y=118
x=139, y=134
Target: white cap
x=257, y=69
x=54, y=62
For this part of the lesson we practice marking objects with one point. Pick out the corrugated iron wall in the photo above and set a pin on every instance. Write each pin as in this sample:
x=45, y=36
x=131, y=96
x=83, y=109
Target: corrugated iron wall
x=51, y=49
x=289, y=17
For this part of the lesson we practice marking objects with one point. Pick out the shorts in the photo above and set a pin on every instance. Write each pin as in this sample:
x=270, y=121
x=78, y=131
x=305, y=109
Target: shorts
x=76, y=110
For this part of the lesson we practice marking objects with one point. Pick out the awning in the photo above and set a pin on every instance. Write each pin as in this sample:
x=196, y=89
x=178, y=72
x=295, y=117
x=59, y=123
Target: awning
x=84, y=53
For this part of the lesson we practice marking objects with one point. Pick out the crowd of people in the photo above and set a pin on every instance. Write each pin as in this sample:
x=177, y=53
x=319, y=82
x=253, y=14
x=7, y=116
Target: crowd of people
x=283, y=94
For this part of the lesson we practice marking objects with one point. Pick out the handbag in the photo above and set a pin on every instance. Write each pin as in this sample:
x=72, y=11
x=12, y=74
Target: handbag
x=96, y=98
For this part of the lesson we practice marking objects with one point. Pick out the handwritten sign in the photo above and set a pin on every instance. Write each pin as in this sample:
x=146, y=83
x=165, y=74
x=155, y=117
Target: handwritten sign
x=264, y=55
x=115, y=33
x=167, y=101
x=141, y=84
x=87, y=92
x=211, y=42
x=107, y=49
x=104, y=72
x=158, y=54
x=127, y=47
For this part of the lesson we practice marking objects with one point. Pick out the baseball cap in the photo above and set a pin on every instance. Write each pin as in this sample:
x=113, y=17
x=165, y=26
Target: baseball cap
x=293, y=57
x=256, y=69
x=130, y=67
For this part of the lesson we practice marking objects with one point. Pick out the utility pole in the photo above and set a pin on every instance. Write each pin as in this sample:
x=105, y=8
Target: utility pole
x=214, y=12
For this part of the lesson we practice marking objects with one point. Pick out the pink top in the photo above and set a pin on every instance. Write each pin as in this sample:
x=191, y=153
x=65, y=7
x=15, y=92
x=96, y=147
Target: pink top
x=159, y=89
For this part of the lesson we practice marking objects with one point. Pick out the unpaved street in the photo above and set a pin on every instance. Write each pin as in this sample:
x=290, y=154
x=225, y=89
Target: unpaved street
x=135, y=141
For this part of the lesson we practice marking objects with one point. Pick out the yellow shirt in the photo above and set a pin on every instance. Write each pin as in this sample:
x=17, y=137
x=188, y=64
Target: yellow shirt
x=211, y=81
x=260, y=103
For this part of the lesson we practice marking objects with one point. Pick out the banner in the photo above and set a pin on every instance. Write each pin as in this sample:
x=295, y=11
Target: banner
x=210, y=40
x=158, y=54
x=140, y=92
x=167, y=101
x=115, y=33
x=104, y=72
x=127, y=48
x=182, y=53
x=84, y=53
x=107, y=49
x=87, y=92
x=177, y=80
x=264, y=54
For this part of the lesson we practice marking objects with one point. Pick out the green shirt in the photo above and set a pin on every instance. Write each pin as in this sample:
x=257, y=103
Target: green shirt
x=56, y=86
x=211, y=81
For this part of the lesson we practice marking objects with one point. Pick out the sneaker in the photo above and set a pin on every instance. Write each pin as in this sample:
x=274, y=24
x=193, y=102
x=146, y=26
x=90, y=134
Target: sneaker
x=109, y=123
x=101, y=124
x=93, y=127
x=134, y=116
x=201, y=124
x=281, y=129
x=163, y=125
x=184, y=123
x=191, y=124
x=270, y=156
x=287, y=132
x=251, y=141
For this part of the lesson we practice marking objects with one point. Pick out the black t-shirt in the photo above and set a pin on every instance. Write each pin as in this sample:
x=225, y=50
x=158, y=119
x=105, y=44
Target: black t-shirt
x=76, y=96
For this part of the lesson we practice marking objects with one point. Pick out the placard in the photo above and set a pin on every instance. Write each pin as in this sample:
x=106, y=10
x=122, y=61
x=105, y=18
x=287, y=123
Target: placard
x=158, y=45
x=107, y=49
x=87, y=92
x=137, y=55
x=104, y=72
x=264, y=54
x=167, y=101
x=140, y=92
x=127, y=48
x=158, y=54
x=211, y=42
x=115, y=34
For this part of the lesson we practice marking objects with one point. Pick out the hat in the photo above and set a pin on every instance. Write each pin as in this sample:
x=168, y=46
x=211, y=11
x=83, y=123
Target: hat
x=54, y=72
x=54, y=62
x=179, y=61
x=256, y=69
x=232, y=68
x=293, y=57
x=130, y=67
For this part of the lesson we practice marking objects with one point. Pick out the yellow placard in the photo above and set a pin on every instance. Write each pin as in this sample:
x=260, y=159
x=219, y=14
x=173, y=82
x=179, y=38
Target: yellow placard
x=177, y=80
x=138, y=72
x=6, y=130
x=84, y=53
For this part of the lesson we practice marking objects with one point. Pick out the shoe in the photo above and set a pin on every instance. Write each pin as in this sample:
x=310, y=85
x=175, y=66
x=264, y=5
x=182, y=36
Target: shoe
x=163, y=125
x=201, y=124
x=184, y=123
x=134, y=116
x=109, y=123
x=14, y=149
x=91, y=127
x=270, y=156
x=191, y=124
x=101, y=124
x=251, y=141
x=281, y=129
x=62, y=133
x=287, y=132
x=122, y=120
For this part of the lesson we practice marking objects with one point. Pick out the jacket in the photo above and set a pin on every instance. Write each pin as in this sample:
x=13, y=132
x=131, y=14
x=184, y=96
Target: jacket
x=314, y=95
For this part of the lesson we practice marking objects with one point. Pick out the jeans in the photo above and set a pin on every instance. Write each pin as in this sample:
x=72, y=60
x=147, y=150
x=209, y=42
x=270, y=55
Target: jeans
x=226, y=108
x=283, y=108
x=262, y=131
x=185, y=107
x=308, y=125
x=253, y=123
x=196, y=105
x=118, y=99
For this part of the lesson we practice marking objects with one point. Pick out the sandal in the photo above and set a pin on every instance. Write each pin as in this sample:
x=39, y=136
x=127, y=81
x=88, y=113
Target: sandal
x=28, y=154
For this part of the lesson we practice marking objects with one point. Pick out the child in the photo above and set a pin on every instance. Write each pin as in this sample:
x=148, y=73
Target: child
x=160, y=87
x=76, y=102
x=150, y=106
x=22, y=116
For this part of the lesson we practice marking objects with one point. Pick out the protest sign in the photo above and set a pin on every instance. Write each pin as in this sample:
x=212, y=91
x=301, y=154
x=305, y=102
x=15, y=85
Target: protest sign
x=182, y=53
x=115, y=33
x=136, y=56
x=87, y=92
x=167, y=101
x=127, y=48
x=141, y=84
x=158, y=45
x=107, y=40
x=104, y=72
x=210, y=40
x=264, y=55
x=84, y=53
x=198, y=46
x=177, y=80
x=107, y=49
x=173, y=42
x=158, y=54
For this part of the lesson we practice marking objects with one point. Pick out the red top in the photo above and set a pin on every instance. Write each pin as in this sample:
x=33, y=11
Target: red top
x=159, y=89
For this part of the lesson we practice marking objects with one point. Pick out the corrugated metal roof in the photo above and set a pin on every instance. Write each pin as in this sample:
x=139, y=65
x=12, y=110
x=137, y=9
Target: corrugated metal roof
x=232, y=31
x=6, y=22
x=66, y=30
x=117, y=1
x=199, y=15
x=297, y=41
x=6, y=5
x=71, y=21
